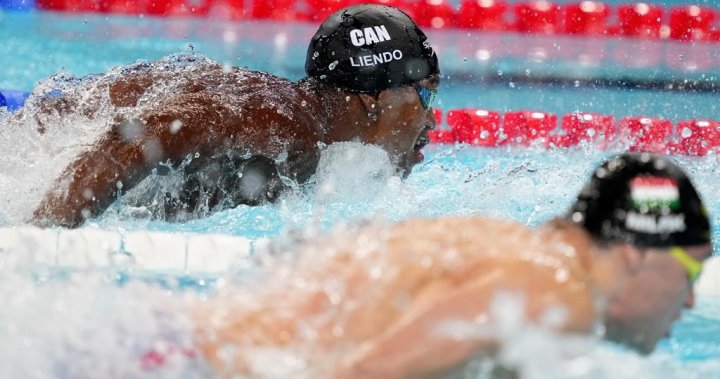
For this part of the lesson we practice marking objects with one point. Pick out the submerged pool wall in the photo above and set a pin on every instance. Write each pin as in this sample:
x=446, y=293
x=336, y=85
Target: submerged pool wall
x=179, y=254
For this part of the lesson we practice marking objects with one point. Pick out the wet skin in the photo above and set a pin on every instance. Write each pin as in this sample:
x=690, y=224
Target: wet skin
x=403, y=124
x=653, y=299
x=250, y=113
x=409, y=278
x=398, y=282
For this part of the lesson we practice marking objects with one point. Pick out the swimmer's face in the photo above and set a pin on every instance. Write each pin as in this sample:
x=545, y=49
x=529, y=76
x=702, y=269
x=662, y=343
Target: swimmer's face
x=654, y=296
x=403, y=123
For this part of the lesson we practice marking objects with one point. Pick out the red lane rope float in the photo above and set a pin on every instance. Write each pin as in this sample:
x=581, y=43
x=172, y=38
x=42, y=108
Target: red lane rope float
x=702, y=137
x=483, y=15
x=691, y=23
x=639, y=21
x=584, y=18
x=488, y=128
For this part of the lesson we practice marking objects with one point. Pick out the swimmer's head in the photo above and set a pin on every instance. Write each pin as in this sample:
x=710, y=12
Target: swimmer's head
x=644, y=200
x=368, y=49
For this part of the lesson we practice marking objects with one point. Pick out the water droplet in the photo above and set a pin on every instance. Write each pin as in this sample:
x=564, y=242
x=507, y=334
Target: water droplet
x=561, y=275
x=333, y=65
x=484, y=134
x=175, y=126
x=303, y=103
x=686, y=132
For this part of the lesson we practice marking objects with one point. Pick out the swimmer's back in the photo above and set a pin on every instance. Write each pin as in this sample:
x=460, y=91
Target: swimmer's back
x=180, y=74
x=358, y=285
x=169, y=110
x=387, y=267
x=195, y=105
x=432, y=246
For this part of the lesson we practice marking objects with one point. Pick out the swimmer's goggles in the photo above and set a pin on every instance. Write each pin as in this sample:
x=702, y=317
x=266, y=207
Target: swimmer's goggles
x=426, y=96
x=690, y=264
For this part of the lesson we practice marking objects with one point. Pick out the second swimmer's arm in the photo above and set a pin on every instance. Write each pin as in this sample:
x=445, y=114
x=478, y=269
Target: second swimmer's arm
x=87, y=186
x=414, y=346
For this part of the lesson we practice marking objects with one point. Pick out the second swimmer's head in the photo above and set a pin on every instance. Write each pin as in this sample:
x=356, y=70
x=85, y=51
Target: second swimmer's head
x=642, y=199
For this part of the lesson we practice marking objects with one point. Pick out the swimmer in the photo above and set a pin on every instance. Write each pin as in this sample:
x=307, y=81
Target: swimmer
x=372, y=77
x=369, y=303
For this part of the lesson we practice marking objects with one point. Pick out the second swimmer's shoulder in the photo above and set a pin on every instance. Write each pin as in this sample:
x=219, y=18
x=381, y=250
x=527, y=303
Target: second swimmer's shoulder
x=449, y=222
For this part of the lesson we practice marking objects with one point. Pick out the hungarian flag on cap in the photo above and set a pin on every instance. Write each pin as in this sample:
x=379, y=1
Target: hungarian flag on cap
x=652, y=193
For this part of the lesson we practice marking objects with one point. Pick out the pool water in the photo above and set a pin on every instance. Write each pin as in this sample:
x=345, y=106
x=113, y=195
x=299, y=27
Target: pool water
x=43, y=43
x=105, y=317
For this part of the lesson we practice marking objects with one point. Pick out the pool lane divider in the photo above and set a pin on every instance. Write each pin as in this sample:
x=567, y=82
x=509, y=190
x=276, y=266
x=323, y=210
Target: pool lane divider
x=525, y=128
x=166, y=253
x=535, y=17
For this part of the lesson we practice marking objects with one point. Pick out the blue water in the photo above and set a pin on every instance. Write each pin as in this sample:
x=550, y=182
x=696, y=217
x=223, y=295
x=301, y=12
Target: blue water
x=529, y=186
x=43, y=43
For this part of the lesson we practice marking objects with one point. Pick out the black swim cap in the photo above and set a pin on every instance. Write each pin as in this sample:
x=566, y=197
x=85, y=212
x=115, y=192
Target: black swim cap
x=370, y=48
x=642, y=199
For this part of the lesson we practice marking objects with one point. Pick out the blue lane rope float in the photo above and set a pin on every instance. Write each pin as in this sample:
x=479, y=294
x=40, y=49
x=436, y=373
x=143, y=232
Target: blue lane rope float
x=13, y=99
x=17, y=5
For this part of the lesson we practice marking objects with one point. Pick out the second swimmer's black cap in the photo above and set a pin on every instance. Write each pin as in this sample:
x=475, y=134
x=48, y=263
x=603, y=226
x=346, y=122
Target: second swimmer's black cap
x=370, y=48
x=642, y=199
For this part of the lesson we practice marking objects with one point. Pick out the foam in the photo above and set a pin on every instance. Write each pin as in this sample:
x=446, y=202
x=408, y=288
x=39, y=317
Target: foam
x=709, y=281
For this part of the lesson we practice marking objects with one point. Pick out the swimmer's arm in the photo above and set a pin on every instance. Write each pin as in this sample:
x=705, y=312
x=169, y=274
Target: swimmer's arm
x=88, y=185
x=414, y=346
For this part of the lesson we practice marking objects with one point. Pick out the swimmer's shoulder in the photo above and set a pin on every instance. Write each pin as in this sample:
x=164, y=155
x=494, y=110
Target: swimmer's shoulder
x=471, y=240
x=462, y=227
x=263, y=88
x=195, y=67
